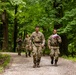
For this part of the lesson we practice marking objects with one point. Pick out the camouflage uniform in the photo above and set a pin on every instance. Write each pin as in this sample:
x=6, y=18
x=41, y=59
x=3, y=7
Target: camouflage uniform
x=53, y=43
x=19, y=45
x=27, y=46
x=38, y=40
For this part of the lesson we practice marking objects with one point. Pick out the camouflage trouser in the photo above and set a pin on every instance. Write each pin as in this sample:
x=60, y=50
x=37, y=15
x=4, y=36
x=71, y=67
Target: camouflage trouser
x=55, y=52
x=19, y=48
x=27, y=50
x=37, y=52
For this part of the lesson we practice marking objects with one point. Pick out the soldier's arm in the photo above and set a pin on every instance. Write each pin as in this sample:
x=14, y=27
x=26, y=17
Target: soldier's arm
x=59, y=39
x=49, y=41
x=31, y=44
x=43, y=40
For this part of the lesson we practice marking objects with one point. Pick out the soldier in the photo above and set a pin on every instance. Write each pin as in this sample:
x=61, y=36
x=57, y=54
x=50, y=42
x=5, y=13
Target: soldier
x=38, y=41
x=19, y=45
x=53, y=44
x=27, y=45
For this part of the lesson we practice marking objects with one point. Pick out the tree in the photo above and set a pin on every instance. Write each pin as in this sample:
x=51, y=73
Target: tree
x=16, y=3
x=15, y=27
x=24, y=15
x=5, y=29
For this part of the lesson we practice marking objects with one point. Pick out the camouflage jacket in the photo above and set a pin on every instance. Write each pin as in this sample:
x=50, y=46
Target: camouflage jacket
x=19, y=41
x=54, y=40
x=27, y=41
x=37, y=38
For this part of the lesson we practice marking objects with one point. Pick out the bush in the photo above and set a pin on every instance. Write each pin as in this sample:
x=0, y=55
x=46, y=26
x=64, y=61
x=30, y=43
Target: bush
x=4, y=60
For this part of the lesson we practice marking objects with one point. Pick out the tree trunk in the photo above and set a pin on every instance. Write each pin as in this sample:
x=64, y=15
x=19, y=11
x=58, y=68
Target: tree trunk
x=5, y=31
x=1, y=35
x=64, y=45
x=15, y=28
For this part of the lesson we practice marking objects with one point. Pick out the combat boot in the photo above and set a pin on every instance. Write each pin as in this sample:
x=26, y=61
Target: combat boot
x=34, y=61
x=38, y=62
x=38, y=65
x=34, y=66
x=29, y=54
x=19, y=54
x=56, y=62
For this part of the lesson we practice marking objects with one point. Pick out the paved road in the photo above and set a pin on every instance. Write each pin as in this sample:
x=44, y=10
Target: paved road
x=23, y=66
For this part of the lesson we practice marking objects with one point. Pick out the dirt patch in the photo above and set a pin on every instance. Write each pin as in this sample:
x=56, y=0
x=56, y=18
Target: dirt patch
x=23, y=66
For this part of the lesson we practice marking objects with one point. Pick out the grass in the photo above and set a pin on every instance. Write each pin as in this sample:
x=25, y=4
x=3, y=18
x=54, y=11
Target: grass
x=4, y=61
x=70, y=58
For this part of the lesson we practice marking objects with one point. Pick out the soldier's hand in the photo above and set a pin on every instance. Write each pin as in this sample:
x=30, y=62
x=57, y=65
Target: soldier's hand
x=42, y=45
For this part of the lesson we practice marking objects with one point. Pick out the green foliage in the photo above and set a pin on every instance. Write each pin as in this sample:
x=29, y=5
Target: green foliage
x=43, y=13
x=70, y=58
x=4, y=61
x=17, y=2
x=69, y=26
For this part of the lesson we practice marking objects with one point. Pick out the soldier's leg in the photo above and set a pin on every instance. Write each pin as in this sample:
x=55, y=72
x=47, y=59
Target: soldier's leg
x=29, y=53
x=38, y=61
x=39, y=56
x=52, y=55
x=43, y=52
x=34, y=60
x=56, y=56
x=26, y=53
x=34, y=56
x=19, y=50
x=26, y=50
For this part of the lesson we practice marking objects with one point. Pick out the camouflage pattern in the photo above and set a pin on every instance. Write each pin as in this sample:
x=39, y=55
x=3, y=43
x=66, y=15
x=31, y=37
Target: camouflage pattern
x=53, y=43
x=27, y=46
x=38, y=41
x=19, y=45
